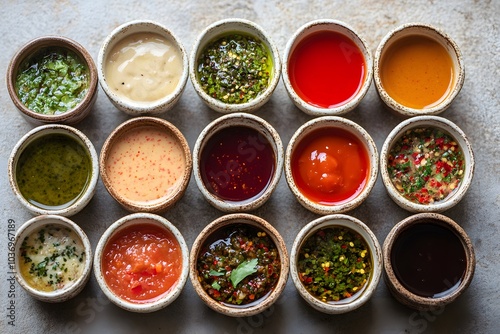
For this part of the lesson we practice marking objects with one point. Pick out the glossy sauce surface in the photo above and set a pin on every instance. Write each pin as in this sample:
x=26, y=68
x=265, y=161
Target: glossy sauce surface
x=417, y=72
x=429, y=259
x=326, y=69
x=237, y=163
x=142, y=262
x=330, y=166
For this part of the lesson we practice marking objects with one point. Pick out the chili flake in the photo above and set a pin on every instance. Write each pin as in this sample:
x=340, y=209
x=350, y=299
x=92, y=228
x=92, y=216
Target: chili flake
x=235, y=68
x=426, y=165
x=334, y=264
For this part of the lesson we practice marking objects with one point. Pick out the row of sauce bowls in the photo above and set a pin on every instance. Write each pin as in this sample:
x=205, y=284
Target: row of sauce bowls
x=237, y=162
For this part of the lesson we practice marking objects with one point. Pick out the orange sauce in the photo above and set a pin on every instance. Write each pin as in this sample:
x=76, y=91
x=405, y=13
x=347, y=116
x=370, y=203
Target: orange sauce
x=417, y=72
x=142, y=262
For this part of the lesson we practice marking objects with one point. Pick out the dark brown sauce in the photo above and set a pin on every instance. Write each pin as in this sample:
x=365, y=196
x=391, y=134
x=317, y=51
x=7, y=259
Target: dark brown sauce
x=429, y=259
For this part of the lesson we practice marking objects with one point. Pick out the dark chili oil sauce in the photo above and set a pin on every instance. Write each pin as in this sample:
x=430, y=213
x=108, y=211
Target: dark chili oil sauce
x=429, y=259
x=237, y=163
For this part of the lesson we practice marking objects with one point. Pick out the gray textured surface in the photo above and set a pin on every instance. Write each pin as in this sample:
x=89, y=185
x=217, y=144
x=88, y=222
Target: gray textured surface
x=475, y=26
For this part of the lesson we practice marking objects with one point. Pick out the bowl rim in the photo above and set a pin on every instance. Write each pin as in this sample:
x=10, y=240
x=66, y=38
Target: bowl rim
x=126, y=104
x=356, y=225
x=249, y=219
x=230, y=120
x=172, y=198
x=371, y=150
x=402, y=294
x=453, y=130
x=257, y=32
x=72, y=290
x=441, y=37
x=166, y=298
x=44, y=130
x=340, y=27
x=73, y=115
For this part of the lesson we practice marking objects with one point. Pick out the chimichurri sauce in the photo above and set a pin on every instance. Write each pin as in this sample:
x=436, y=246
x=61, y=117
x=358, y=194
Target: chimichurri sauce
x=238, y=265
x=235, y=68
x=53, y=170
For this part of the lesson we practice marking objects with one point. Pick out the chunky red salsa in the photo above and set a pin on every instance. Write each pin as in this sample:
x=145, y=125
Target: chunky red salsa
x=426, y=165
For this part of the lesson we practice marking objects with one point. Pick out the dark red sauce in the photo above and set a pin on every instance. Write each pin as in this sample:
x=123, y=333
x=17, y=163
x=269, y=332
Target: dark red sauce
x=326, y=69
x=237, y=163
x=429, y=259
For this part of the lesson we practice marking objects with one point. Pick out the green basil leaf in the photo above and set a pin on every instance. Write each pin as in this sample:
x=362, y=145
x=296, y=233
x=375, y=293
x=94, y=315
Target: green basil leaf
x=215, y=273
x=216, y=285
x=243, y=270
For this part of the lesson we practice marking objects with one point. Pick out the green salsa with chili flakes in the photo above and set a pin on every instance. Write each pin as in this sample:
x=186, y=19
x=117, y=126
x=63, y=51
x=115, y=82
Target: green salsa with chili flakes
x=52, y=81
x=426, y=165
x=334, y=263
x=235, y=68
x=238, y=265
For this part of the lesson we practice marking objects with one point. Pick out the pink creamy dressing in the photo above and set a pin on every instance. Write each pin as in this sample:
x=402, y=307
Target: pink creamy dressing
x=146, y=164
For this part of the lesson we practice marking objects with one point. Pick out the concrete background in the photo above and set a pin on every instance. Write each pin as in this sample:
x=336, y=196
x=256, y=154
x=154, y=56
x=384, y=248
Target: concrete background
x=475, y=26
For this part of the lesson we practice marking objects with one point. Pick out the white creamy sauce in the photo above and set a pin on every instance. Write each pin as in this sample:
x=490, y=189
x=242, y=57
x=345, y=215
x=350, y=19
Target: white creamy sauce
x=144, y=67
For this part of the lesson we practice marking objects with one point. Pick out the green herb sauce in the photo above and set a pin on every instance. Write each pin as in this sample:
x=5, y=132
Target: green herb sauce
x=334, y=264
x=235, y=68
x=52, y=81
x=53, y=170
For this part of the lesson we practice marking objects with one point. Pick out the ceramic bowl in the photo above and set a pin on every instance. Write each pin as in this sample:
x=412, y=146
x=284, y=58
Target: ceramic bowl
x=70, y=286
x=303, y=35
x=374, y=250
x=210, y=232
x=149, y=96
x=31, y=51
x=133, y=221
x=223, y=28
x=320, y=124
x=406, y=294
x=156, y=172
x=249, y=150
x=425, y=30
x=88, y=190
x=468, y=170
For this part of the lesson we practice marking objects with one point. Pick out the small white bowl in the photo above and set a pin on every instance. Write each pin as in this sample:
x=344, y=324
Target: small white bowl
x=165, y=299
x=375, y=251
x=250, y=147
x=223, y=28
x=32, y=48
x=423, y=122
x=70, y=290
x=259, y=305
x=359, y=133
x=90, y=187
x=131, y=106
x=426, y=30
x=327, y=25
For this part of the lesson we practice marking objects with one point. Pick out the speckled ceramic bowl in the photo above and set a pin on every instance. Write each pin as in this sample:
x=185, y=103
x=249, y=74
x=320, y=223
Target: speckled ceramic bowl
x=468, y=170
x=248, y=151
x=31, y=49
x=419, y=29
x=259, y=305
x=305, y=32
x=174, y=193
x=333, y=122
x=131, y=106
x=222, y=28
x=87, y=191
x=399, y=290
x=68, y=291
x=358, y=298
x=161, y=301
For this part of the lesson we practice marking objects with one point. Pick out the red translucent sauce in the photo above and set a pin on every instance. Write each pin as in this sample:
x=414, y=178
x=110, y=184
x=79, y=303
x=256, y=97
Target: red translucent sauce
x=142, y=262
x=326, y=69
x=330, y=166
x=237, y=163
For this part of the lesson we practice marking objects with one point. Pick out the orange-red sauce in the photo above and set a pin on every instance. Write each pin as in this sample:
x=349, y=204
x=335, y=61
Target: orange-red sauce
x=330, y=166
x=142, y=262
